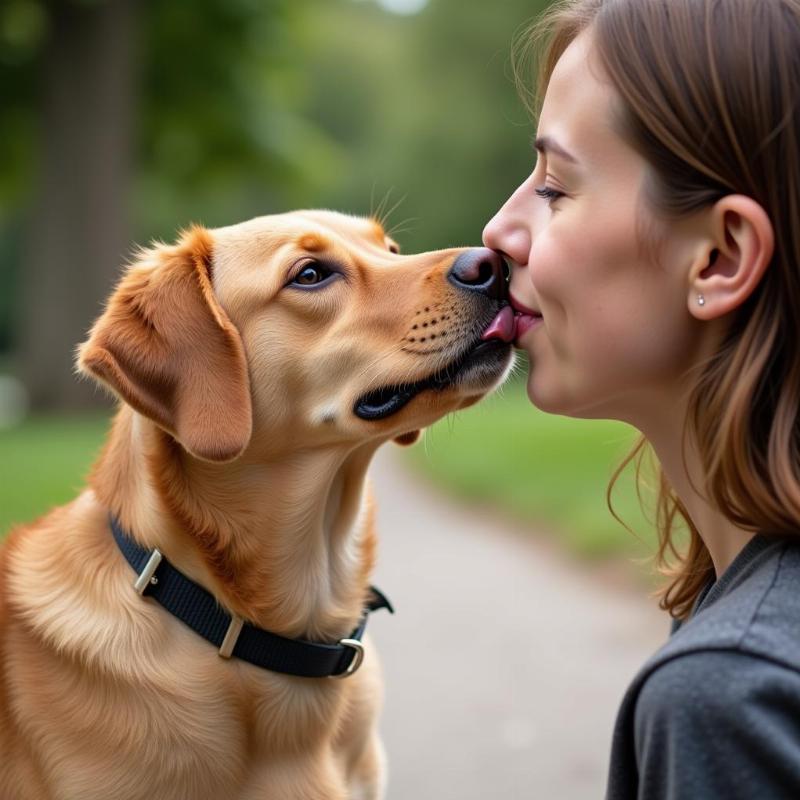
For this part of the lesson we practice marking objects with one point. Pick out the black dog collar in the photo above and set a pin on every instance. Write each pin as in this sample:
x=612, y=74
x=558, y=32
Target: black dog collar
x=198, y=609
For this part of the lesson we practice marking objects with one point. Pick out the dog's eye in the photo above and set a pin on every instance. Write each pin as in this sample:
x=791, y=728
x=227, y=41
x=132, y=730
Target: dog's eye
x=312, y=274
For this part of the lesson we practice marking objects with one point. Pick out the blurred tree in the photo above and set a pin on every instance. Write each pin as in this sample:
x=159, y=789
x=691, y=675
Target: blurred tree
x=77, y=232
x=91, y=87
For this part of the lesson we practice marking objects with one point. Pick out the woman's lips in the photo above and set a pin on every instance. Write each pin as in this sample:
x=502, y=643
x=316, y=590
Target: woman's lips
x=524, y=318
x=521, y=309
x=523, y=324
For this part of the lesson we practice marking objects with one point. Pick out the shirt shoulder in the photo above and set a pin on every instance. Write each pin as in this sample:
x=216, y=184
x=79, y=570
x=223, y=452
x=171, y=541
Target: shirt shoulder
x=719, y=723
x=714, y=685
x=757, y=611
x=724, y=686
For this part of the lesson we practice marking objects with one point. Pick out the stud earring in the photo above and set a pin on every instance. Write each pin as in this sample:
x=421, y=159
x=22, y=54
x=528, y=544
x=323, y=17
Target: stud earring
x=701, y=301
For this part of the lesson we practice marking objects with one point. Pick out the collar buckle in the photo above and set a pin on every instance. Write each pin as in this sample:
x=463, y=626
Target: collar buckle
x=356, y=661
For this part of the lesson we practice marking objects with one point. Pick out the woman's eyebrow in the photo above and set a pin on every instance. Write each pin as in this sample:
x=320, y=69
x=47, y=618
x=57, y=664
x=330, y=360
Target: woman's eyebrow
x=545, y=143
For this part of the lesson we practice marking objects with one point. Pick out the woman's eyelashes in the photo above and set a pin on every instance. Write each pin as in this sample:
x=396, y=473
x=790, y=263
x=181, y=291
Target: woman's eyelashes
x=549, y=194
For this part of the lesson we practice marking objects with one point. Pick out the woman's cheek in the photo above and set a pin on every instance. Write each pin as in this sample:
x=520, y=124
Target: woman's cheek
x=550, y=272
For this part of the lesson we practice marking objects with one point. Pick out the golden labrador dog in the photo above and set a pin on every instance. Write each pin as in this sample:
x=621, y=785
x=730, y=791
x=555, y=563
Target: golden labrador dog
x=259, y=366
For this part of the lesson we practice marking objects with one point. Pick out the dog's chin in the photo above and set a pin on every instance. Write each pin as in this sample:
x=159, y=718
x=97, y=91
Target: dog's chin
x=478, y=371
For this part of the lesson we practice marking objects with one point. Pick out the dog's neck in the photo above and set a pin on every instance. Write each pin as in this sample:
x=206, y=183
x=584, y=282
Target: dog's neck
x=287, y=544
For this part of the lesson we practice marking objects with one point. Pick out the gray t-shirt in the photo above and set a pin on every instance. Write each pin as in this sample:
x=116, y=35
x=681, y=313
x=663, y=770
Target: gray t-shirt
x=715, y=713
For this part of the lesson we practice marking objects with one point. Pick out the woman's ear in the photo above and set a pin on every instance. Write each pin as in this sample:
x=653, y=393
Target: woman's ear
x=167, y=348
x=733, y=259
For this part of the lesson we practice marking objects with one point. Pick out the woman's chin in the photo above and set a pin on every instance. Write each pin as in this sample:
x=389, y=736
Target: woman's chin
x=552, y=399
x=543, y=400
x=576, y=405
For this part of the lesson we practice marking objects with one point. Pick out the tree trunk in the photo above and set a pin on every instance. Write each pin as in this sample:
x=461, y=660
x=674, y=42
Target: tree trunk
x=78, y=233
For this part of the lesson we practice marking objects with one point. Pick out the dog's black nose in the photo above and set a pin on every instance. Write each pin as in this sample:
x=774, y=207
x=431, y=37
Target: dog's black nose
x=480, y=270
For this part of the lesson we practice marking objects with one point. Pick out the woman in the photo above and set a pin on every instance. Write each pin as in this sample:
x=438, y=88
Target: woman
x=655, y=256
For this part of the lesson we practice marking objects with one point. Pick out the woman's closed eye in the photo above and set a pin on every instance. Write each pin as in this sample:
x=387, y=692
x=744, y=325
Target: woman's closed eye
x=549, y=194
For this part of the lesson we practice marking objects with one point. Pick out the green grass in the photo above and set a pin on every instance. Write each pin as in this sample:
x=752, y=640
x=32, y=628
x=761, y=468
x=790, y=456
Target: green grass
x=547, y=471
x=43, y=462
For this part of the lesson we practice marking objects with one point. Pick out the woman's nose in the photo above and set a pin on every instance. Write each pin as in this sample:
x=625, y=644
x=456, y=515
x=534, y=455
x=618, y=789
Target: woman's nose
x=508, y=231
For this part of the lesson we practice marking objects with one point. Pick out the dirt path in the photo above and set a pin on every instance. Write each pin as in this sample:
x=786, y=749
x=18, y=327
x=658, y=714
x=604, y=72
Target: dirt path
x=505, y=662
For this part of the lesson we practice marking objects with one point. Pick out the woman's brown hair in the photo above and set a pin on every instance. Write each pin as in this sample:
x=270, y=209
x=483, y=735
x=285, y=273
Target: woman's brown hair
x=709, y=97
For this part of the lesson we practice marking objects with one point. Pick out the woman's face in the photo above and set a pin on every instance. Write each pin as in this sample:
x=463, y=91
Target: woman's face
x=615, y=330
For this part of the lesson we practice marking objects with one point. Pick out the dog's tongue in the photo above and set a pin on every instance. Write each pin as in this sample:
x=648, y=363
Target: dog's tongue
x=501, y=327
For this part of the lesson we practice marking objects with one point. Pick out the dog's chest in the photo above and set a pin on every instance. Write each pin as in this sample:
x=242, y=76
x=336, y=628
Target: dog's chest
x=201, y=734
x=181, y=722
x=239, y=724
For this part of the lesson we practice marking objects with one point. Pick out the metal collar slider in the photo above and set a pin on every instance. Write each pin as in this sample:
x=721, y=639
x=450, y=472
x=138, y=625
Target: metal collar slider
x=147, y=575
x=231, y=637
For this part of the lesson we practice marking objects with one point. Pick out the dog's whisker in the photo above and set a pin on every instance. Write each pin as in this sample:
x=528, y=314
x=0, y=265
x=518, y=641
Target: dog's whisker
x=398, y=227
x=387, y=214
x=380, y=213
x=372, y=210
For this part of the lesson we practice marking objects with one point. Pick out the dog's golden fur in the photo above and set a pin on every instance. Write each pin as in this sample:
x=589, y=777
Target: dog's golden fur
x=235, y=452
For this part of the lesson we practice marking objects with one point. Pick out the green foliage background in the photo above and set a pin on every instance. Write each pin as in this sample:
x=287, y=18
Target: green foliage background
x=252, y=106
x=248, y=107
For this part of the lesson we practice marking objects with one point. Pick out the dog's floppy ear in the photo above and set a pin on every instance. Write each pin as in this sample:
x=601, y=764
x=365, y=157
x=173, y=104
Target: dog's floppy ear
x=165, y=346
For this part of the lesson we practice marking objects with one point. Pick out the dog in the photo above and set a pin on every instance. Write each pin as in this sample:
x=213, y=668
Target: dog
x=258, y=367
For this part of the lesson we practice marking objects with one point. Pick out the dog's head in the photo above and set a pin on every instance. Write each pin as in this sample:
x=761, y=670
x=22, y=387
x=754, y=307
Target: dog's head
x=297, y=330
